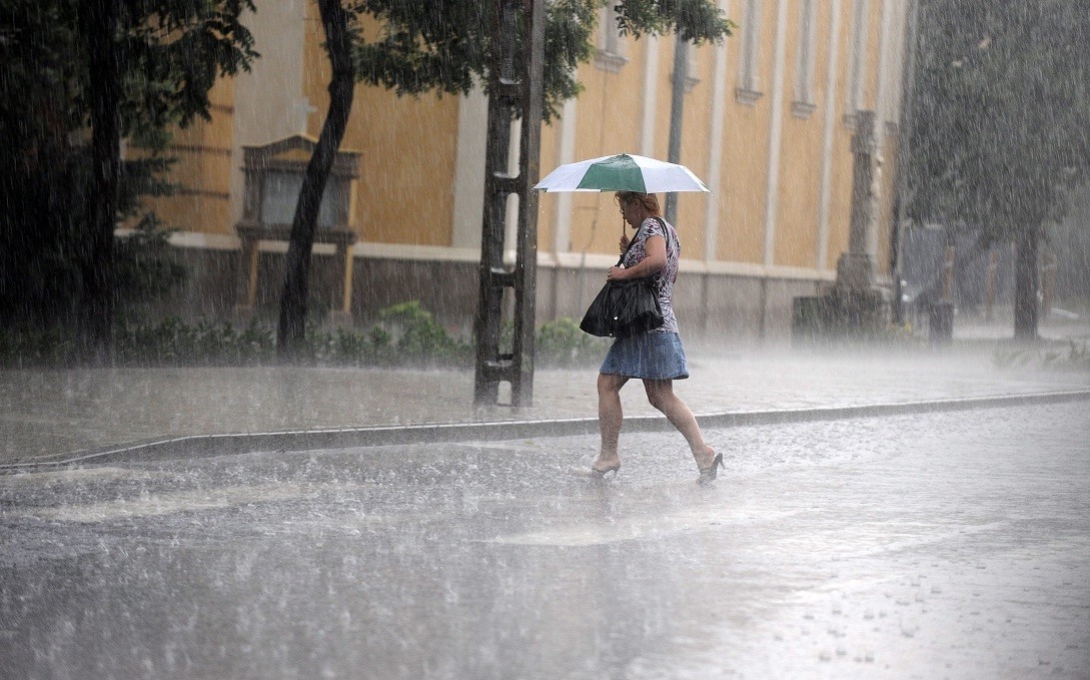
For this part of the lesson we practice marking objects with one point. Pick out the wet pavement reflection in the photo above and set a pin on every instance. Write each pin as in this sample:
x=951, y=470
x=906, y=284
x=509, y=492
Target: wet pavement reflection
x=45, y=413
x=948, y=545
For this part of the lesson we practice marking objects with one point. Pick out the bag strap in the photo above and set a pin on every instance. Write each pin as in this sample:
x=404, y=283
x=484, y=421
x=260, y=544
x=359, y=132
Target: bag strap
x=665, y=236
x=620, y=262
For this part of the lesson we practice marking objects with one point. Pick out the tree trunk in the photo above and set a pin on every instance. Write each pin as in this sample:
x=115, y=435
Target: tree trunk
x=293, y=301
x=1026, y=284
x=99, y=20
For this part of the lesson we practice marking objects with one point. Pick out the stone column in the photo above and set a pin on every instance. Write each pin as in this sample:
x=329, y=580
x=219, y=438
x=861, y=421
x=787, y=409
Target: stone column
x=857, y=306
x=855, y=270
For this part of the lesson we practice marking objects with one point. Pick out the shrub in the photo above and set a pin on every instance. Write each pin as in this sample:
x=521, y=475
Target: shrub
x=1076, y=356
x=174, y=342
x=561, y=343
x=29, y=346
x=419, y=338
x=406, y=334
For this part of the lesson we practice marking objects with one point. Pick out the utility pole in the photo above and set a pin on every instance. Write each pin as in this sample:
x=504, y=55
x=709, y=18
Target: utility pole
x=511, y=95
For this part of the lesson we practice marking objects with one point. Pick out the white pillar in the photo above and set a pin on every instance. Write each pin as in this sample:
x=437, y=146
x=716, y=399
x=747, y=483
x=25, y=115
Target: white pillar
x=715, y=161
x=775, y=137
x=881, y=104
x=832, y=71
x=650, y=91
x=566, y=154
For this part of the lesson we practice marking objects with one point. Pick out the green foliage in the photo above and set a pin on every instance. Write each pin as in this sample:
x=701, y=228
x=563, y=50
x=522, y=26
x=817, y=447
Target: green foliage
x=999, y=125
x=405, y=335
x=1000, y=121
x=27, y=346
x=418, y=337
x=1073, y=356
x=445, y=45
x=170, y=54
x=695, y=21
x=562, y=344
x=173, y=342
x=144, y=266
x=173, y=52
x=40, y=181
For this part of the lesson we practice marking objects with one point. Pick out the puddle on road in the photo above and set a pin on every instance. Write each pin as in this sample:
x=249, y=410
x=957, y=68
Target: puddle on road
x=151, y=505
x=28, y=480
x=684, y=521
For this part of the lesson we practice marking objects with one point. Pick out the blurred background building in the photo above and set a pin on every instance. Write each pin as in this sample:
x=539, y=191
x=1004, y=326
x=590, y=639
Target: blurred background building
x=768, y=120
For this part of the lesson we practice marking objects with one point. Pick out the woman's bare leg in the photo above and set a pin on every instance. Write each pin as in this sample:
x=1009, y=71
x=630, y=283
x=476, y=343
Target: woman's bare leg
x=610, y=416
x=661, y=395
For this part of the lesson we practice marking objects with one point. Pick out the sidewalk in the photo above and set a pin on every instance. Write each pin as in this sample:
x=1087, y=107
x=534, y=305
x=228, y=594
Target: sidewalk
x=46, y=413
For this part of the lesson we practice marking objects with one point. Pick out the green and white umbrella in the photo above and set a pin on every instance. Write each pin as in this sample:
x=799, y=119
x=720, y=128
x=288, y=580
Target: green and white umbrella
x=623, y=172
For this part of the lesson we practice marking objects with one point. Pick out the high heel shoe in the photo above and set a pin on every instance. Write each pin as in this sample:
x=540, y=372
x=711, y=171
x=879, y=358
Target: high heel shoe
x=709, y=473
x=600, y=473
x=594, y=472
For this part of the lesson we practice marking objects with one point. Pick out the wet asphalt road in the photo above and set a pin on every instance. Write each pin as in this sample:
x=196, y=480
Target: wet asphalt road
x=949, y=545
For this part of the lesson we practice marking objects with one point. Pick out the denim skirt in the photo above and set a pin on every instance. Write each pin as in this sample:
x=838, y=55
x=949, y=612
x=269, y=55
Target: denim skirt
x=650, y=356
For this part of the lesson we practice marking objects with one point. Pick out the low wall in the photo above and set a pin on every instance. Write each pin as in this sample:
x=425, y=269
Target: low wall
x=711, y=306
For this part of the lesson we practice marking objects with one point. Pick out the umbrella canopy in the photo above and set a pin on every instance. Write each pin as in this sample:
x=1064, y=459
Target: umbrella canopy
x=622, y=172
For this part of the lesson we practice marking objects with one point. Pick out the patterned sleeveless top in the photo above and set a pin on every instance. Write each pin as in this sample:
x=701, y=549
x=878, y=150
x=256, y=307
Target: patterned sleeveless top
x=656, y=226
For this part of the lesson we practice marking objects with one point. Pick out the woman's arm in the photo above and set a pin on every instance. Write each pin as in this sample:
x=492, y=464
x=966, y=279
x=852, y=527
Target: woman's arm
x=655, y=248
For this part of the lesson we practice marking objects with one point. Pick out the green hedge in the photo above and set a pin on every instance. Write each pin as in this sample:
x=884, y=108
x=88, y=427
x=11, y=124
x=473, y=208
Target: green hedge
x=404, y=335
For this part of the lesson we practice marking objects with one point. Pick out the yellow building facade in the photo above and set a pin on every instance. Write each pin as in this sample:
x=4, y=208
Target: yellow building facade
x=767, y=124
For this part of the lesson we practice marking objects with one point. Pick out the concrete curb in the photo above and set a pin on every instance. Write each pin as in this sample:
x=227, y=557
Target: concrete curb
x=201, y=446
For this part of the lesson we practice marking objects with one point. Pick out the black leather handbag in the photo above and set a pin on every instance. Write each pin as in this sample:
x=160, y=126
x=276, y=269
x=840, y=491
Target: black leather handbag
x=624, y=308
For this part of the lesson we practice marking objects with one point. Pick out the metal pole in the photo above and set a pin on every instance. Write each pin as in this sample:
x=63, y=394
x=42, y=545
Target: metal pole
x=677, y=110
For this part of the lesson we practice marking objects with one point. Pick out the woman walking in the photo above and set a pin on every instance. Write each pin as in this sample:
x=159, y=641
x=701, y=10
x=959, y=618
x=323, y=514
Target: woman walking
x=655, y=357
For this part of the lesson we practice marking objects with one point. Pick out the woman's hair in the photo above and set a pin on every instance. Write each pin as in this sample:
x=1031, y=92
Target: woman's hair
x=650, y=202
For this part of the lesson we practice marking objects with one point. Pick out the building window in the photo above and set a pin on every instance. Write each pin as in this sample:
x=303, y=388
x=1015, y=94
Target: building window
x=857, y=64
x=803, y=104
x=611, y=54
x=749, y=63
x=281, y=194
